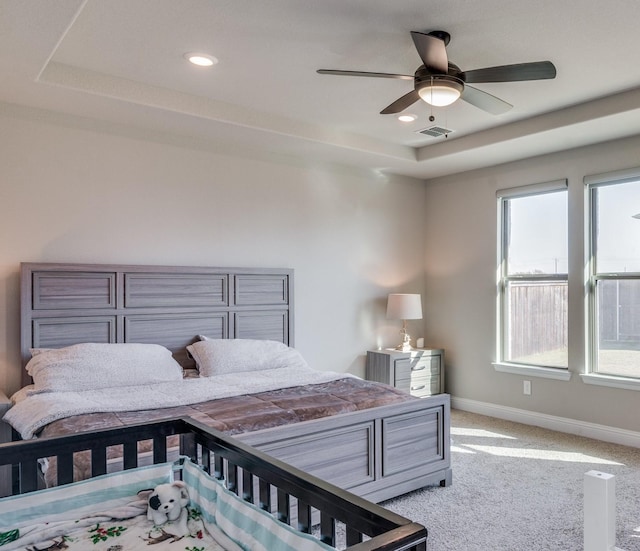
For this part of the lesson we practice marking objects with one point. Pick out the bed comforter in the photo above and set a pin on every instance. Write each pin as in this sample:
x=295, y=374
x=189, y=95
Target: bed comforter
x=233, y=408
x=59, y=414
x=33, y=410
x=250, y=412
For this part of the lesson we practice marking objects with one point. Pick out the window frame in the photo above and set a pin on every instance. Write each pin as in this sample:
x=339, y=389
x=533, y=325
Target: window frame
x=503, y=280
x=591, y=375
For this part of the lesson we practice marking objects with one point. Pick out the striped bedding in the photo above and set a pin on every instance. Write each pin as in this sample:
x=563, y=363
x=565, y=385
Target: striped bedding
x=109, y=513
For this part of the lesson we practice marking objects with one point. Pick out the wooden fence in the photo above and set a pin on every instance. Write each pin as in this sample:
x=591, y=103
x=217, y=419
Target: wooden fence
x=619, y=313
x=538, y=317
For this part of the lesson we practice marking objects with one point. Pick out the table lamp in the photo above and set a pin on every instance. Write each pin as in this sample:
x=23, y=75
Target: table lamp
x=404, y=307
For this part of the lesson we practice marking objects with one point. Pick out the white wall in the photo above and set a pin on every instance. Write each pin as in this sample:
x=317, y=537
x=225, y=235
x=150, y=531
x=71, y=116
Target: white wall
x=70, y=194
x=460, y=297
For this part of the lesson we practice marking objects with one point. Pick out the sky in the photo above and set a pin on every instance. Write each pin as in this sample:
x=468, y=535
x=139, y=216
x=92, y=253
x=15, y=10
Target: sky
x=538, y=236
x=618, y=240
x=538, y=239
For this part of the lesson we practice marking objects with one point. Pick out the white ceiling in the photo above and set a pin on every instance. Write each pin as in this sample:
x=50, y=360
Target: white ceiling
x=119, y=64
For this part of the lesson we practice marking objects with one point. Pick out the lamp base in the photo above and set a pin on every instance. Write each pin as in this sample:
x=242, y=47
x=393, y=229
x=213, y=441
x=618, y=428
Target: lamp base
x=405, y=345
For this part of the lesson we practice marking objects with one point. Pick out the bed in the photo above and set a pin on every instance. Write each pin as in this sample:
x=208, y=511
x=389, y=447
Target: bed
x=240, y=498
x=365, y=437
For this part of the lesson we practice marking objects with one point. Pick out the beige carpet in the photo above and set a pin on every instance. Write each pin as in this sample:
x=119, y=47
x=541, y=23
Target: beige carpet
x=518, y=488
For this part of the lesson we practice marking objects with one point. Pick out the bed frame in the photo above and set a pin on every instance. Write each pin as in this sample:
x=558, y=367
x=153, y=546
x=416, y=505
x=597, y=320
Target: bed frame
x=378, y=454
x=268, y=483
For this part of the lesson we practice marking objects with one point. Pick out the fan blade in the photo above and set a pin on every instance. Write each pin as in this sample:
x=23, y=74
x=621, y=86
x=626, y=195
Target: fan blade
x=432, y=52
x=362, y=74
x=538, y=70
x=485, y=101
x=401, y=103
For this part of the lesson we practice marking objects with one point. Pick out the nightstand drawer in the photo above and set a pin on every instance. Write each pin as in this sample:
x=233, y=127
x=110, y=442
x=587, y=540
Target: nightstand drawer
x=410, y=368
x=419, y=377
x=423, y=386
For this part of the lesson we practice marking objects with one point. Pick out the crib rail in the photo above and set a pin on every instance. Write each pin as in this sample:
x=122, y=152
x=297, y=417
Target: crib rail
x=306, y=502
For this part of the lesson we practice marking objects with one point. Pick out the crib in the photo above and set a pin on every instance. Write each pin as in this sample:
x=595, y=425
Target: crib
x=290, y=497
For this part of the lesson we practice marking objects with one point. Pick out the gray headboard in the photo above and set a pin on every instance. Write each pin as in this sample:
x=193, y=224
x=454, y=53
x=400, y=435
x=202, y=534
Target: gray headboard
x=65, y=304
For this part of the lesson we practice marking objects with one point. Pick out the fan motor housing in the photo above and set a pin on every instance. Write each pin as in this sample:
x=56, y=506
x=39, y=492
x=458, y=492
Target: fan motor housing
x=423, y=74
x=423, y=78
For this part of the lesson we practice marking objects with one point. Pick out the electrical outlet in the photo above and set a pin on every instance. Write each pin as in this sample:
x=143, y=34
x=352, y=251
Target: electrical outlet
x=526, y=388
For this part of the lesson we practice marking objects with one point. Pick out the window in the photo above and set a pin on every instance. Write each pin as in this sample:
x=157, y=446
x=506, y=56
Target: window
x=614, y=283
x=532, y=287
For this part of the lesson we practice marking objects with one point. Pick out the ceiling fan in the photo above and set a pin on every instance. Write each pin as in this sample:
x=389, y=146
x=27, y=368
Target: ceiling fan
x=440, y=82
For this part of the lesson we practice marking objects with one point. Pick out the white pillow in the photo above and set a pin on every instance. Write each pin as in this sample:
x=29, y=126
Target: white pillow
x=222, y=356
x=91, y=366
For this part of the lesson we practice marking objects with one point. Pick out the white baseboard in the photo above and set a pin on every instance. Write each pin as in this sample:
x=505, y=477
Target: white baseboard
x=560, y=424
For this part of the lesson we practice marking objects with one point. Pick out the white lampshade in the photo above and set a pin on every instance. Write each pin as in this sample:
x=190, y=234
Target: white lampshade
x=404, y=307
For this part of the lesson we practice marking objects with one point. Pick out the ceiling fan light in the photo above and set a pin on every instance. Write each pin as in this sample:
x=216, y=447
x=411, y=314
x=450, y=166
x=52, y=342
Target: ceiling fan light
x=440, y=92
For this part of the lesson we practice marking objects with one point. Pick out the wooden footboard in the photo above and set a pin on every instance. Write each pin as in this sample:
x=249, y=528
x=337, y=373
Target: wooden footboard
x=378, y=454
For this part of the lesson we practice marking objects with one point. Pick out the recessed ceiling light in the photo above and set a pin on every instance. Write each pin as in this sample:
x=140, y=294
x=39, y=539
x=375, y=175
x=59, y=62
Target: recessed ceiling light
x=202, y=60
x=407, y=117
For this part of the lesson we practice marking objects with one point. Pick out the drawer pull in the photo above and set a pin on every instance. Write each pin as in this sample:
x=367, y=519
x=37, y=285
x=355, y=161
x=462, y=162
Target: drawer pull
x=418, y=367
x=418, y=387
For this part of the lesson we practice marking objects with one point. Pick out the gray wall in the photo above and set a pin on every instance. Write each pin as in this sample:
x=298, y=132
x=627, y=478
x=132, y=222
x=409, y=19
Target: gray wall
x=71, y=191
x=460, y=297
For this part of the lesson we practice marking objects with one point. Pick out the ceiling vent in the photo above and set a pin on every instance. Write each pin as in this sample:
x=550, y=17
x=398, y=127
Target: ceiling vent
x=435, y=131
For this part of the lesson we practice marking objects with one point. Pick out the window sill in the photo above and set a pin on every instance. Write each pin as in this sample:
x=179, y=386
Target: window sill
x=611, y=381
x=559, y=374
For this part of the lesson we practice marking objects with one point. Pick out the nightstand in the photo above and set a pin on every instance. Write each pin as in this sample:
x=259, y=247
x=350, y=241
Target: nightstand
x=419, y=372
x=5, y=436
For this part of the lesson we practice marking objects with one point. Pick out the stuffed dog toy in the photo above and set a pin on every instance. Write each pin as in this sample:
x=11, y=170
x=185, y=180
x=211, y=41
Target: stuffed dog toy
x=168, y=502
